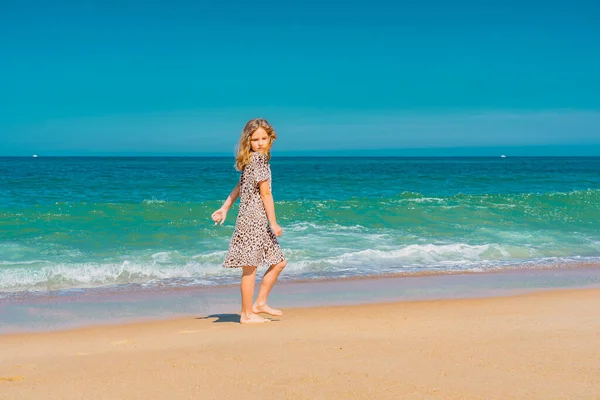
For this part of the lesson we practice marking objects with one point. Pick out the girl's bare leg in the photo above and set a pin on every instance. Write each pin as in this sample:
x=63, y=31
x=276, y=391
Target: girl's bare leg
x=247, y=289
x=269, y=279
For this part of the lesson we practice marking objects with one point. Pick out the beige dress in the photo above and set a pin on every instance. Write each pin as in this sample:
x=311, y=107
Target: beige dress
x=253, y=242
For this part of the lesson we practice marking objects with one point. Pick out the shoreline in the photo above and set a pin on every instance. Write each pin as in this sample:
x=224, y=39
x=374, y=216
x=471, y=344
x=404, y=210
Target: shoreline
x=539, y=345
x=283, y=280
x=60, y=312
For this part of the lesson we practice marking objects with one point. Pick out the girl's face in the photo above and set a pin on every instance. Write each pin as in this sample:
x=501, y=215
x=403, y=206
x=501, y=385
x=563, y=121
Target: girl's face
x=260, y=141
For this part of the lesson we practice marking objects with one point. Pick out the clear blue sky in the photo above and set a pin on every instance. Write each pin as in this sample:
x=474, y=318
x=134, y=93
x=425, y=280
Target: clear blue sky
x=182, y=77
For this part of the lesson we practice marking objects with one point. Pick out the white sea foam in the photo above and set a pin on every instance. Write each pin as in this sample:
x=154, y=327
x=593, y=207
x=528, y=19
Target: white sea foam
x=304, y=261
x=336, y=228
x=154, y=201
x=426, y=200
x=17, y=263
x=62, y=275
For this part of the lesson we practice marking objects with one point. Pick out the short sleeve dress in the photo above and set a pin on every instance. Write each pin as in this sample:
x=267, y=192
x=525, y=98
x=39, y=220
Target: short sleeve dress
x=253, y=242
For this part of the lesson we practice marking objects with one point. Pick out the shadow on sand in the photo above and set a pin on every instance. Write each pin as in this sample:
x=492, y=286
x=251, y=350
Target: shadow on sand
x=223, y=318
x=235, y=318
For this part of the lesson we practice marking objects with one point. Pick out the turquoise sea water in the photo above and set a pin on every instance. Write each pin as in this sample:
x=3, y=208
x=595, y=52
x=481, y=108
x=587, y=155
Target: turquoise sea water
x=94, y=223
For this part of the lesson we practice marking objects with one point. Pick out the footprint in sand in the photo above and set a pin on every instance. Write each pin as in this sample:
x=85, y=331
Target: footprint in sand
x=11, y=378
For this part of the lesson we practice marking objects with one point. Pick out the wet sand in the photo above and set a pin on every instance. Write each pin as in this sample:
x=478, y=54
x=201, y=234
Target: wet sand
x=61, y=310
x=542, y=345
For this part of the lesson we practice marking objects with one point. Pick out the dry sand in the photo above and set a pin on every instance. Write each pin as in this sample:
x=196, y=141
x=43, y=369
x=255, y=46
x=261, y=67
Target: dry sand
x=544, y=345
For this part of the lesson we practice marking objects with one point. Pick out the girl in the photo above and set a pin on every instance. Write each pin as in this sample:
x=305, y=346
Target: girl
x=253, y=242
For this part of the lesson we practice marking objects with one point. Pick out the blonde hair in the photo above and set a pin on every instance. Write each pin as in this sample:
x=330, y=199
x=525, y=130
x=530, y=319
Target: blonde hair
x=243, y=150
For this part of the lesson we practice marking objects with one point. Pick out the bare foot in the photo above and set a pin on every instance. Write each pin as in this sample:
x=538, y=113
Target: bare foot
x=252, y=319
x=266, y=309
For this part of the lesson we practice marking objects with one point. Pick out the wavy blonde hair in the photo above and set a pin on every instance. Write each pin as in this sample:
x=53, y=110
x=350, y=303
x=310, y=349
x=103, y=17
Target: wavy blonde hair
x=243, y=150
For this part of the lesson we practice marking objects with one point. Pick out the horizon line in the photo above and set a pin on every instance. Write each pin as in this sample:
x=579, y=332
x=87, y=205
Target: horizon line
x=307, y=156
x=548, y=150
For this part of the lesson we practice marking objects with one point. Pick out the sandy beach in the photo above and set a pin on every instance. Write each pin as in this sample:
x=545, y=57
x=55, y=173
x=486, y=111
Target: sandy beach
x=543, y=345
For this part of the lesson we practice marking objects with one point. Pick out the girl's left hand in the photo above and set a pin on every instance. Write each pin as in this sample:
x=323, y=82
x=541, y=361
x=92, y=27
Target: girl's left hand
x=219, y=216
x=276, y=229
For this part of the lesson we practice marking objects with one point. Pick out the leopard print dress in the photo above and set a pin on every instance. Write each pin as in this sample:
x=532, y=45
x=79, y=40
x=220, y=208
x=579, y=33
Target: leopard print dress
x=253, y=242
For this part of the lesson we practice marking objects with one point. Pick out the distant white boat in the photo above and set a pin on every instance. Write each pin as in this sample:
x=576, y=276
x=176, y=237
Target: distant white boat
x=503, y=156
x=35, y=156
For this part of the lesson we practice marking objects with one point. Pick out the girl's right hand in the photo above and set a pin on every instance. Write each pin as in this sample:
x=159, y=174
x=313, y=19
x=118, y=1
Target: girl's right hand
x=219, y=216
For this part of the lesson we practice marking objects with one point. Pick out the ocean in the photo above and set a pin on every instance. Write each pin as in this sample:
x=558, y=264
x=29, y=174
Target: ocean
x=76, y=224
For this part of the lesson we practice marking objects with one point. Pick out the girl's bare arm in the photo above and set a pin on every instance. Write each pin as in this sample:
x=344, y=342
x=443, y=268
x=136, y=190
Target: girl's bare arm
x=220, y=215
x=232, y=197
x=267, y=199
